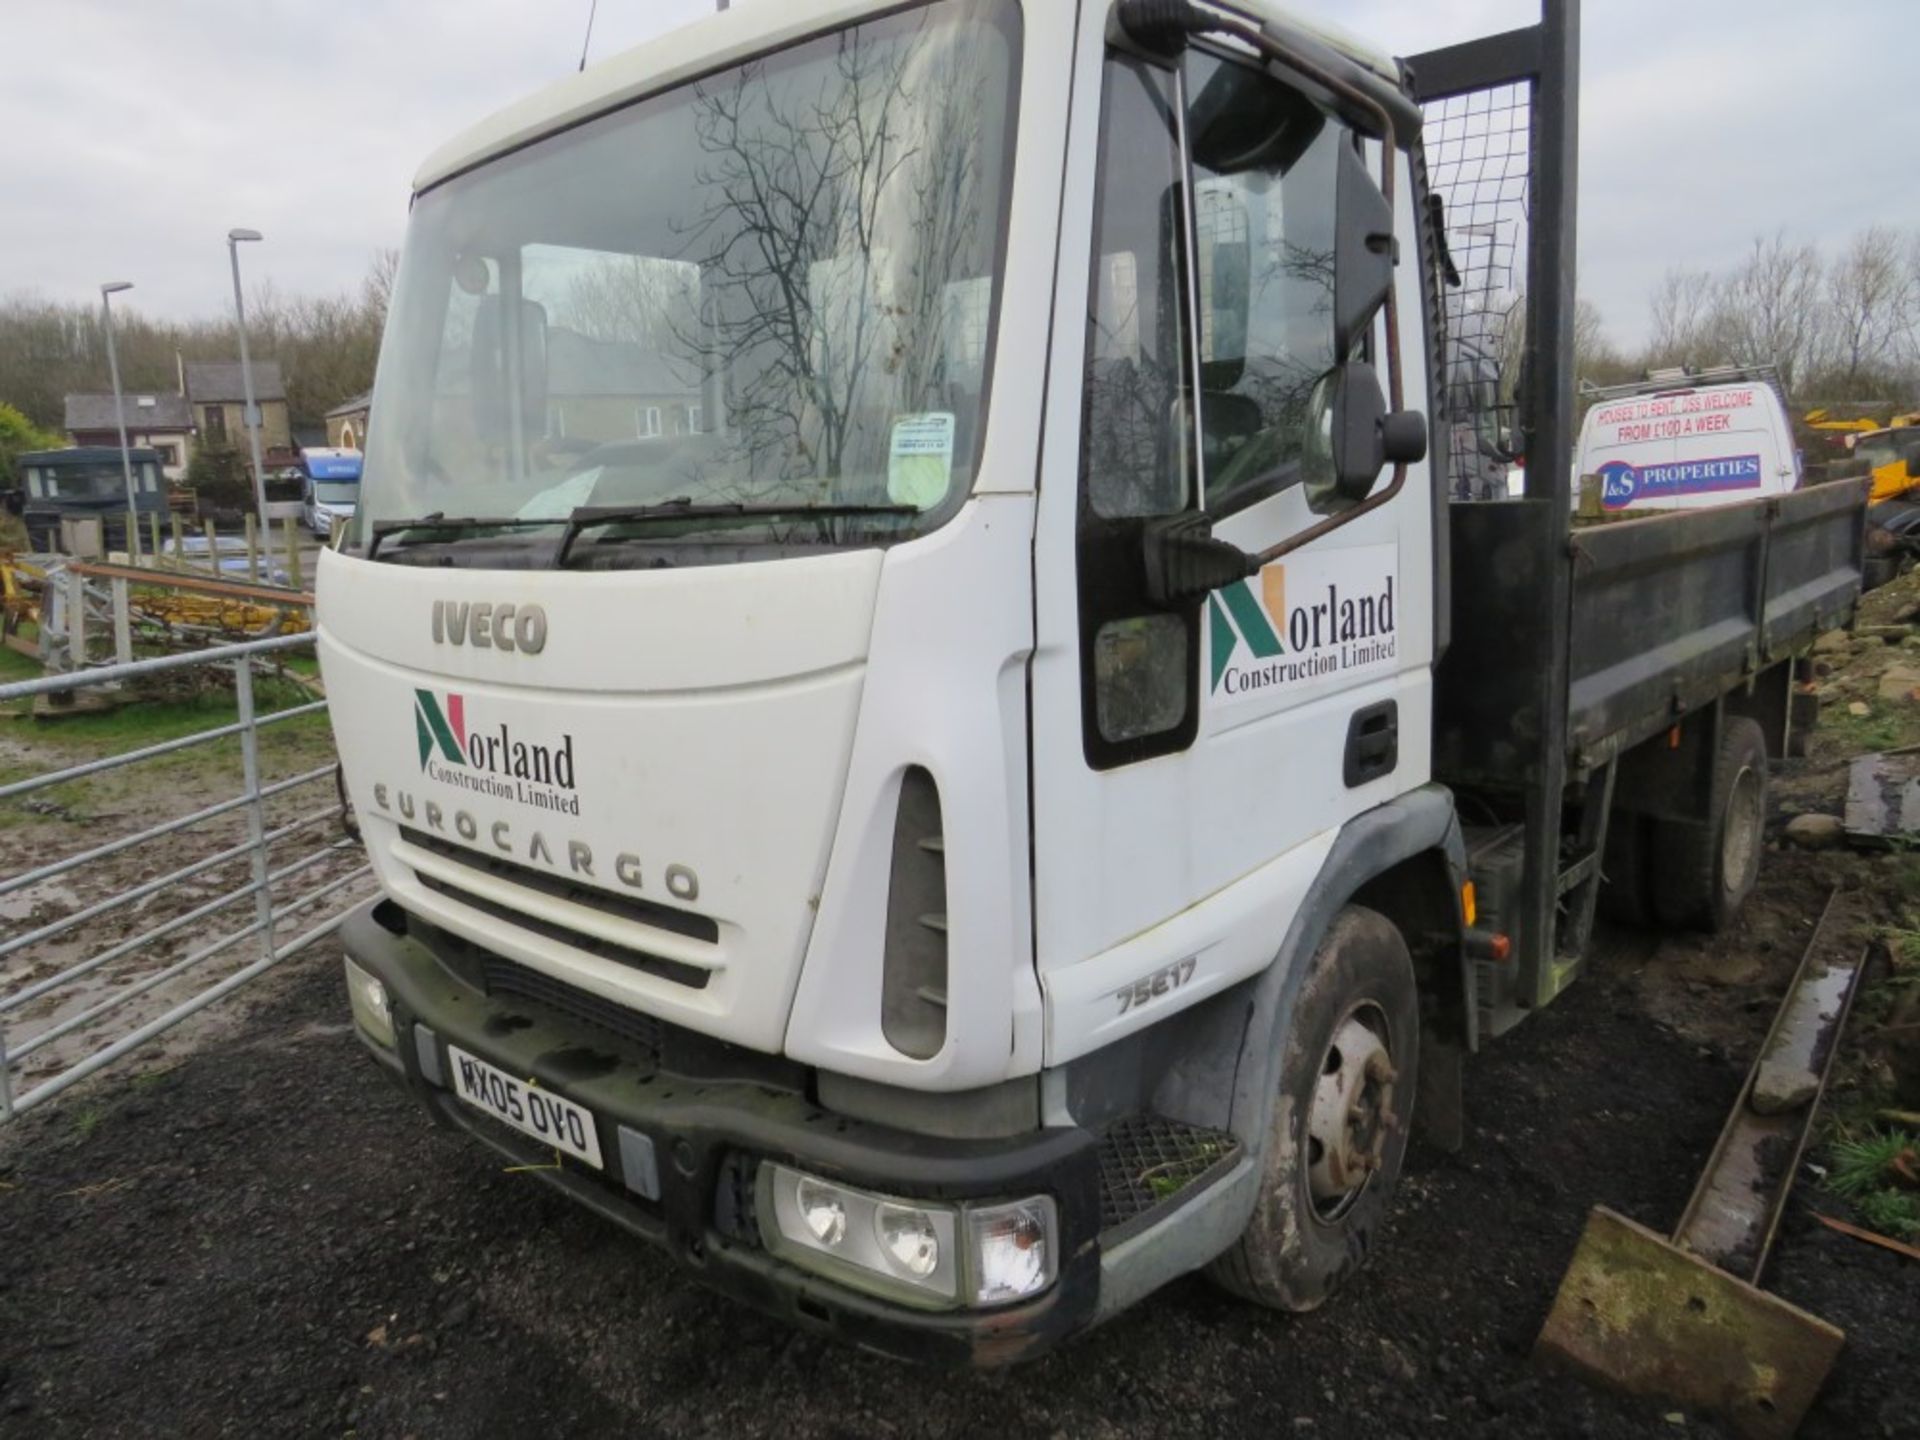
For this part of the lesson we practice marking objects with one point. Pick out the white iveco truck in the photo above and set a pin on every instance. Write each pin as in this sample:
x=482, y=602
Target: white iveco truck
x=931, y=737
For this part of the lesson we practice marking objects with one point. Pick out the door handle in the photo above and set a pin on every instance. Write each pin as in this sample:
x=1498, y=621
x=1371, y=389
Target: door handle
x=1373, y=743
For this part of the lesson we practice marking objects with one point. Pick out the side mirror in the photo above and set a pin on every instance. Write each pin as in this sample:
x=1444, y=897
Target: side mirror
x=1362, y=437
x=1363, y=251
x=500, y=339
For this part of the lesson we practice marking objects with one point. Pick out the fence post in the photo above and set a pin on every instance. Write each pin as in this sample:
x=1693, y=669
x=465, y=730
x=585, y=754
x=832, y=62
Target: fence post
x=133, y=537
x=153, y=531
x=293, y=556
x=256, y=807
x=179, y=542
x=213, y=548
x=335, y=530
x=253, y=548
x=122, y=623
x=76, y=621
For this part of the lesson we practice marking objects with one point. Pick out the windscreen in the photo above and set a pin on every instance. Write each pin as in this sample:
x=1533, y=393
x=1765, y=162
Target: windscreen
x=771, y=290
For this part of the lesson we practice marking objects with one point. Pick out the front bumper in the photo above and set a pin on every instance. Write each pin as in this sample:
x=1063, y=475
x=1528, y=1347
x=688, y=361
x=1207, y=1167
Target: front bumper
x=682, y=1145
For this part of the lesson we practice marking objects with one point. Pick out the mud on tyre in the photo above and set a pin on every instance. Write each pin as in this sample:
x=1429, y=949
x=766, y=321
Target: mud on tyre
x=1338, y=1134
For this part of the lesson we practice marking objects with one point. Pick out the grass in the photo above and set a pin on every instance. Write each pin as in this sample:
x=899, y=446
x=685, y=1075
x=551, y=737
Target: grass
x=88, y=1121
x=1880, y=729
x=212, y=769
x=1876, y=1169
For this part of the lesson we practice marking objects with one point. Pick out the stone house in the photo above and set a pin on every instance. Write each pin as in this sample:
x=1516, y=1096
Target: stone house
x=159, y=422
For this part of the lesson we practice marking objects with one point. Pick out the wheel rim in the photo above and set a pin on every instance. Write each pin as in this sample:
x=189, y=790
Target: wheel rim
x=1740, y=832
x=1352, y=1112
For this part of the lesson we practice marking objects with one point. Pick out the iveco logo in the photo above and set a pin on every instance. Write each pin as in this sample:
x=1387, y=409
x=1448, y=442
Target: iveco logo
x=490, y=627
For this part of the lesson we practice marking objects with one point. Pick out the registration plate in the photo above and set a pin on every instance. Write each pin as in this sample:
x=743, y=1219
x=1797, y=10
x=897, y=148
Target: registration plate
x=549, y=1118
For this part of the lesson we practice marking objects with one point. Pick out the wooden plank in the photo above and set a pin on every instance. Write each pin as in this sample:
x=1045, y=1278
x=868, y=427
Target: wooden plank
x=122, y=622
x=195, y=584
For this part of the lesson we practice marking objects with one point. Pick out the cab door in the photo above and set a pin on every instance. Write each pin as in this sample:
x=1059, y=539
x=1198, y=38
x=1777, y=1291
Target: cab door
x=1194, y=762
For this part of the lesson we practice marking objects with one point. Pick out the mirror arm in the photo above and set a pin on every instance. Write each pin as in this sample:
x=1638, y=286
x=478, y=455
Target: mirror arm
x=1332, y=522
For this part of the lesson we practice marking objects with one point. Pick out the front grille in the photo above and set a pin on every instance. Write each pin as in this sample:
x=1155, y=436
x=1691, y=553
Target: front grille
x=692, y=976
x=504, y=977
x=591, y=897
x=1146, y=1161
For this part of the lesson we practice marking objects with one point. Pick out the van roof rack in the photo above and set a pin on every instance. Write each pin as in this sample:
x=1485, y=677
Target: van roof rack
x=1685, y=377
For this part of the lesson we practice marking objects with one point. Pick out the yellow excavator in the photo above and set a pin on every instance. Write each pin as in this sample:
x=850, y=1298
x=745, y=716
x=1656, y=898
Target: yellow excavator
x=1891, y=455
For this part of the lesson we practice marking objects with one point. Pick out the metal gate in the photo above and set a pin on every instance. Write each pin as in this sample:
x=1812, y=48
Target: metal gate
x=64, y=1004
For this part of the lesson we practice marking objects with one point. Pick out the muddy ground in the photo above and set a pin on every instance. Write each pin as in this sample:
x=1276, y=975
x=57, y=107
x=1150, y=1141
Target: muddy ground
x=260, y=1236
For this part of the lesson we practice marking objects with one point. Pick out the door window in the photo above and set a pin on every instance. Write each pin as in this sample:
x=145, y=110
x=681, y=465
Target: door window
x=1137, y=455
x=1264, y=212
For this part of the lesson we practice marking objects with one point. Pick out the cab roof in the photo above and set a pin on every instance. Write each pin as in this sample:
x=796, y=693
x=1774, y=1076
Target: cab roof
x=727, y=38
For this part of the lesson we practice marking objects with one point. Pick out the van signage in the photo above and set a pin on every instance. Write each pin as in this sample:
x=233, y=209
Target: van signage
x=1623, y=484
x=1313, y=620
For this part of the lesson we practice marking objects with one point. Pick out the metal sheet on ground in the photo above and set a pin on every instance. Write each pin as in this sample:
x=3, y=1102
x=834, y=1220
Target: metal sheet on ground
x=1883, y=797
x=1639, y=1313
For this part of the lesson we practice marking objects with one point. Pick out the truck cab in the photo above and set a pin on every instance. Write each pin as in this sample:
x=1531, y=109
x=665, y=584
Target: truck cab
x=888, y=658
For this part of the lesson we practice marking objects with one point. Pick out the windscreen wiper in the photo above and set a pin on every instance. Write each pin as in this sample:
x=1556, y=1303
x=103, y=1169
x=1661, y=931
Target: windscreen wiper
x=440, y=521
x=585, y=517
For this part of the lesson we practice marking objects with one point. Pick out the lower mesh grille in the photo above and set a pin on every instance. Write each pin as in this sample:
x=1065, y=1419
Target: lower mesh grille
x=505, y=977
x=1146, y=1161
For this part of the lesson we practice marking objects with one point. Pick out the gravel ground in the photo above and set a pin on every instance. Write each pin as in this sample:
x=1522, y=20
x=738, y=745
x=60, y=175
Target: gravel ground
x=268, y=1239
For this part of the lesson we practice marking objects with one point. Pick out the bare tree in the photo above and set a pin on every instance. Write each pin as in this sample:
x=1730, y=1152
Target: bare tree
x=1870, y=298
x=1684, y=310
x=1771, y=307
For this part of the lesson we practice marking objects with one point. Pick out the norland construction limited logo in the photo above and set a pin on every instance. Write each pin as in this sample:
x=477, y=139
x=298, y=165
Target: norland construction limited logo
x=492, y=760
x=1313, y=619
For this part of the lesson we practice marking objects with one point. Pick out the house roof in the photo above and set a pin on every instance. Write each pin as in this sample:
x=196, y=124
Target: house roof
x=145, y=411
x=213, y=382
x=352, y=404
x=75, y=456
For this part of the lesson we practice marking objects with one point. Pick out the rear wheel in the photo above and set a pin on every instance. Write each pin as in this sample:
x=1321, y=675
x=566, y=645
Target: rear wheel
x=1703, y=873
x=1339, y=1128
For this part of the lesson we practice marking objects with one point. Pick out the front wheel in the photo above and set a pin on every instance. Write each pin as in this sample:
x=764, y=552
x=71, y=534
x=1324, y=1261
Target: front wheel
x=1339, y=1129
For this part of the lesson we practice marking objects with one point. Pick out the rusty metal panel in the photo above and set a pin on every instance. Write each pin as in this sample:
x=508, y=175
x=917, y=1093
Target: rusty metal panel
x=1637, y=1312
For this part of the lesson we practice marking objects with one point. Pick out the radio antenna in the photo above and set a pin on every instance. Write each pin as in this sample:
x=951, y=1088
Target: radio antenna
x=592, y=10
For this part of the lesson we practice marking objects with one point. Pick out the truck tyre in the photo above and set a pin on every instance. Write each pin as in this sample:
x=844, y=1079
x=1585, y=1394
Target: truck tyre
x=1703, y=873
x=1339, y=1130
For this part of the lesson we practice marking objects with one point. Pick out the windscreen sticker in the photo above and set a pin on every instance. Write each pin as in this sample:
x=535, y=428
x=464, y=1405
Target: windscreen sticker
x=920, y=460
x=1315, y=619
x=1623, y=484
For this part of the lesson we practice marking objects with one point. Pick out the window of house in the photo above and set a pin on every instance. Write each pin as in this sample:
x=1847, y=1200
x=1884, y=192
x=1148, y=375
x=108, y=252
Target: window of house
x=216, y=424
x=693, y=419
x=646, y=421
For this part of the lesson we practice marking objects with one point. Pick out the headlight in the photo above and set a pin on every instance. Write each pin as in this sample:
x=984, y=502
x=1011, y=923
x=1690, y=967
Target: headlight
x=371, y=1007
x=1013, y=1250
x=910, y=1250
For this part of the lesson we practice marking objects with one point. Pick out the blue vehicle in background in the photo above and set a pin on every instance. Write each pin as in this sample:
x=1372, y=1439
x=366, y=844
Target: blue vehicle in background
x=329, y=487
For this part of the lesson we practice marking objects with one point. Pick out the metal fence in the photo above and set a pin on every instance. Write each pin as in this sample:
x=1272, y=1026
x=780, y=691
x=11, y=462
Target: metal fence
x=46, y=1003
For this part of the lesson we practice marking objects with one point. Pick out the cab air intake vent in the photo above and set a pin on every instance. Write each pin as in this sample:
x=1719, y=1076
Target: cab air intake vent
x=913, y=984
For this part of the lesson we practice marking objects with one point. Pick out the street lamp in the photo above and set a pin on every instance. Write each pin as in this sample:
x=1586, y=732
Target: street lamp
x=112, y=288
x=234, y=239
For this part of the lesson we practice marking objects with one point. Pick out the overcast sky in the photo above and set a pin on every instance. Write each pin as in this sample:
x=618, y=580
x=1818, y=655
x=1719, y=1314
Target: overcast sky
x=139, y=133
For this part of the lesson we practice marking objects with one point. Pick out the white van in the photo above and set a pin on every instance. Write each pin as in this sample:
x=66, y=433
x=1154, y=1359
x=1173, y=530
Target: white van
x=1687, y=441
